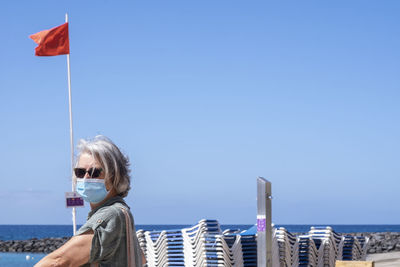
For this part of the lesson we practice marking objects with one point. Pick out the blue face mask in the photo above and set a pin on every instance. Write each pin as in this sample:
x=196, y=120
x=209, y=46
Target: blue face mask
x=91, y=190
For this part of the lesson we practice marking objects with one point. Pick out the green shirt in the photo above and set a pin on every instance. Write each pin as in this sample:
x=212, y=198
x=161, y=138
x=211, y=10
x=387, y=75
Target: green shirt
x=109, y=240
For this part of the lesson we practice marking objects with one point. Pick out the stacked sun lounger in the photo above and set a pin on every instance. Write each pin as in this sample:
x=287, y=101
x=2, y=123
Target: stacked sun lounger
x=304, y=252
x=282, y=248
x=142, y=240
x=350, y=248
x=233, y=241
x=164, y=248
x=205, y=245
x=201, y=245
x=243, y=247
x=363, y=241
x=319, y=247
x=326, y=241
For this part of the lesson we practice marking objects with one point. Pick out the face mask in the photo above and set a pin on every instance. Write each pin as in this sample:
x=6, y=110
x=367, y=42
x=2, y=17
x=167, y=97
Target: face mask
x=91, y=190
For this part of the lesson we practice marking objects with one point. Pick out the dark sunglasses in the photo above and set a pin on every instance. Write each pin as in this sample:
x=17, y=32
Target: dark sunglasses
x=93, y=172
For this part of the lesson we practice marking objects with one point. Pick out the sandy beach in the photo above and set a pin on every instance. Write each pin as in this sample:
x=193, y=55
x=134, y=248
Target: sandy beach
x=385, y=259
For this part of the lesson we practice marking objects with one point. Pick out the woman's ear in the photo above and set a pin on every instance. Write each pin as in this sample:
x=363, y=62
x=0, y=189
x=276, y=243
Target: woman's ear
x=108, y=185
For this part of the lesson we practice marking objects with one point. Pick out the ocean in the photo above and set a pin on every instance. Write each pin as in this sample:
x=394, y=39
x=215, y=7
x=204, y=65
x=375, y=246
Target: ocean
x=19, y=259
x=23, y=232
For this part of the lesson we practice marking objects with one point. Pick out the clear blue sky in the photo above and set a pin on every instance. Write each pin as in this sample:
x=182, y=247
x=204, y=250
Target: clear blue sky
x=204, y=96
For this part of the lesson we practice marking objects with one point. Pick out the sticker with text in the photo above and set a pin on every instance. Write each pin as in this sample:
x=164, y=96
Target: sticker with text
x=73, y=199
x=261, y=224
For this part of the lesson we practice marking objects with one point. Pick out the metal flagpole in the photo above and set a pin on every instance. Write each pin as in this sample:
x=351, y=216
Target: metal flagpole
x=71, y=136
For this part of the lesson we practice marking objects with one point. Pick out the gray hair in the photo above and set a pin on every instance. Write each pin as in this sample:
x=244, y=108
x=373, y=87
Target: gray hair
x=114, y=163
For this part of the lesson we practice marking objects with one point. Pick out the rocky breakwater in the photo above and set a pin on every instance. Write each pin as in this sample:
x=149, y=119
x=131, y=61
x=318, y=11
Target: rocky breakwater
x=383, y=242
x=378, y=242
x=44, y=245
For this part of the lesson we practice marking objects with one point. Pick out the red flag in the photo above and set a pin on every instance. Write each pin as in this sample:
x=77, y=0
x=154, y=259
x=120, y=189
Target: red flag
x=52, y=42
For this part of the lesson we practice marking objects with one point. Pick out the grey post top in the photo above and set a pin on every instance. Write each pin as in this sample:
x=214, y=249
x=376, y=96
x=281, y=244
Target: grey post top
x=109, y=247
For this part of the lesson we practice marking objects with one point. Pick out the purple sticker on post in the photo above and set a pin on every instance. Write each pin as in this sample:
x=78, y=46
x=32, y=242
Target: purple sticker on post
x=74, y=202
x=72, y=199
x=261, y=224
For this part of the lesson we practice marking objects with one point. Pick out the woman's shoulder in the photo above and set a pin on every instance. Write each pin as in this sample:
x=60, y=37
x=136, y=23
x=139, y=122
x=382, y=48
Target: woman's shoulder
x=111, y=212
x=105, y=217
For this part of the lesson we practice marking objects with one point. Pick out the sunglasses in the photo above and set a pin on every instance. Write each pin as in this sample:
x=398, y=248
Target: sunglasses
x=93, y=172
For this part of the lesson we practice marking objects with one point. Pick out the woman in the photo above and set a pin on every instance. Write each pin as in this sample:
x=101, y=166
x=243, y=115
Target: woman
x=103, y=180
